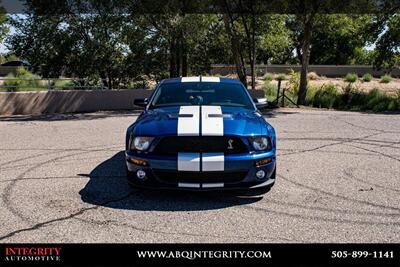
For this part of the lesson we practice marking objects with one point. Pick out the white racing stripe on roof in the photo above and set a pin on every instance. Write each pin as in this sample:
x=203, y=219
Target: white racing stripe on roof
x=210, y=79
x=212, y=125
x=189, y=126
x=190, y=79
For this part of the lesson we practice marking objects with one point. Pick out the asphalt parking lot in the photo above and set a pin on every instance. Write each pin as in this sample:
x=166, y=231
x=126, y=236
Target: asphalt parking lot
x=338, y=180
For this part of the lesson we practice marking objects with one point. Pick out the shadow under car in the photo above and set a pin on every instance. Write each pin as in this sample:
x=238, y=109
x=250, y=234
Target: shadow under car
x=108, y=187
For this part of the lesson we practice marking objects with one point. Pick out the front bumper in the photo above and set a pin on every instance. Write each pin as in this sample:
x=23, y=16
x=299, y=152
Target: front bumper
x=239, y=163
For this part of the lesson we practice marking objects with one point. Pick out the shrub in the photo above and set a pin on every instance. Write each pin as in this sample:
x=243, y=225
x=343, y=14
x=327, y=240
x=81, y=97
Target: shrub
x=353, y=100
x=351, y=77
x=386, y=78
x=294, y=81
x=367, y=77
x=311, y=91
x=22, y=79
x=268, y=76
x=270, y=91
x=280, y=77
x=380, y=106
x=377, y=101
x=372, y=98
x=21, y=71
x=393, y=105
x=326, y=96
x=63, y=84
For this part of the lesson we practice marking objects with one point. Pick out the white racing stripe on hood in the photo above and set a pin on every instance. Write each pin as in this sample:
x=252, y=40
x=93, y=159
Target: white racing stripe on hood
x=212, y=125
x=188, y=125
x=188, y=121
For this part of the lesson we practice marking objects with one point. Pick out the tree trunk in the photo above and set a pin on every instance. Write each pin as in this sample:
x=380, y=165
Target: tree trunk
x=237, y=57
x=173, y=59
x=250, y=35
x=178, y=56
x=298, y=52
x=253, y=74
x=183, y=56
x=184, y=61
x=253, y=52
x=305, y=59
x=110, y=82
x=104, y=80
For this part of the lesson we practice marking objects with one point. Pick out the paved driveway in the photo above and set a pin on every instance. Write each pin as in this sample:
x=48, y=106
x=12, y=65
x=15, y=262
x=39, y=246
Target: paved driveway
x=338, y=180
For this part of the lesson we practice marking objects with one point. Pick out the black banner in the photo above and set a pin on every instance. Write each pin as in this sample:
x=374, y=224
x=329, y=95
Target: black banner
x=200, y=255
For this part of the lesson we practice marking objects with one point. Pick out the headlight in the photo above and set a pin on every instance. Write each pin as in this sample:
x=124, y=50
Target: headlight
x=261, y=143
x=141, y=143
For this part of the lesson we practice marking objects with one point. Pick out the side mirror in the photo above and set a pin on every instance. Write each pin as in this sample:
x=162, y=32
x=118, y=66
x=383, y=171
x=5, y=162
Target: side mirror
x=261, y=103
x=141, y=102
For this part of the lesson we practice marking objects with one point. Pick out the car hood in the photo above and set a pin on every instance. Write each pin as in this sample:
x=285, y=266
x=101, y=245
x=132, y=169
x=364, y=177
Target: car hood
x=164, y=122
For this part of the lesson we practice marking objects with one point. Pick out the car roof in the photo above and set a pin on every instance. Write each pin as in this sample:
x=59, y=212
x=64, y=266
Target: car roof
x=200, y=79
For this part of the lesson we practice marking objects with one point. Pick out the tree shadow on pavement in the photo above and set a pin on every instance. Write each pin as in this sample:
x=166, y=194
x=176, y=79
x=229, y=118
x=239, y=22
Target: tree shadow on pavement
x=273, y=113
x=108, y=187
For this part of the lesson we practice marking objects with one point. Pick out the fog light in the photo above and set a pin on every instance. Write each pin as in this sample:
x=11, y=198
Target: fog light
x=141, y=174
x=260, y=174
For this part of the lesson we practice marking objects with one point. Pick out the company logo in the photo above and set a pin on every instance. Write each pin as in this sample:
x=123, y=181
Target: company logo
x=32, y=254
x=230, y=144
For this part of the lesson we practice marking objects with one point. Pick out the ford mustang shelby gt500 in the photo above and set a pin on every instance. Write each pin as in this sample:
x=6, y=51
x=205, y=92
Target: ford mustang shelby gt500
x=200, y=133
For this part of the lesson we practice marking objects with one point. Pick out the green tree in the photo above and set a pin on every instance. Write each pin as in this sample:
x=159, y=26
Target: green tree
x=388, y=43
x=90, y=46
x=302, y=25
x=185, y=38
x=321, y=38
x=117, y=48
x=4, y=28
x=337, y=38
x=275, y=42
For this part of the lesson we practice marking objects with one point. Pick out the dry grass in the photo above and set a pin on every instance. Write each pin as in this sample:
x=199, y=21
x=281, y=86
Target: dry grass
x=312, y=76
x=390, y=88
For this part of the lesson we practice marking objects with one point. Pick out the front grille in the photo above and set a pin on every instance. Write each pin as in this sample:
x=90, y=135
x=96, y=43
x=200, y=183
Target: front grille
x=199, y=177
x=174, y=144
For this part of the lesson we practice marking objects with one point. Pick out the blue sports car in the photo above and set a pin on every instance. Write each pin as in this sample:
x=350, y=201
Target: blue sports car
x=201, y=133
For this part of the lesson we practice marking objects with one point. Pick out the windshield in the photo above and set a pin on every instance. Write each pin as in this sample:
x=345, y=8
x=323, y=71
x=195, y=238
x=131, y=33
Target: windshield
x=201, y=93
